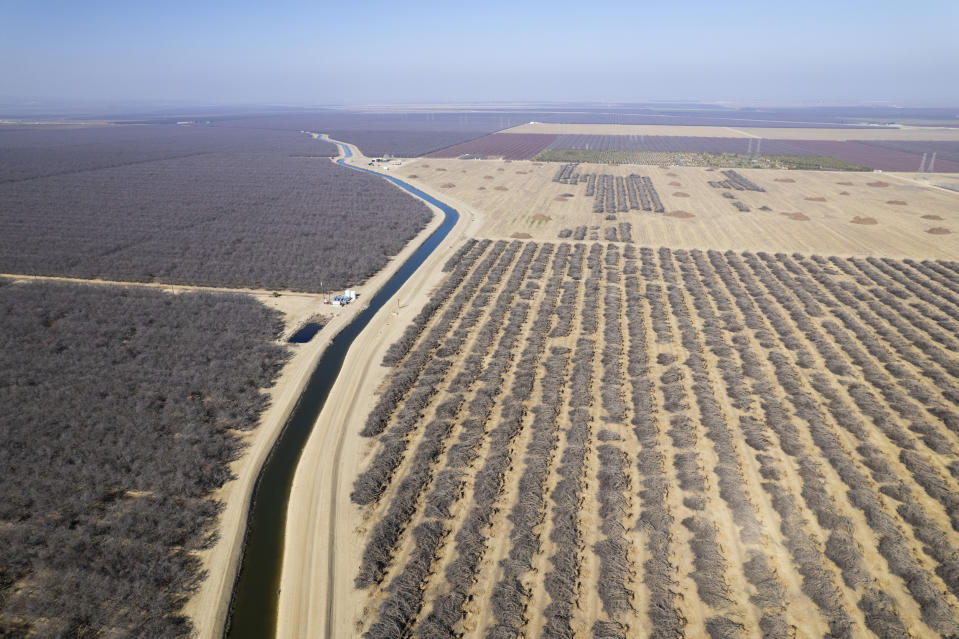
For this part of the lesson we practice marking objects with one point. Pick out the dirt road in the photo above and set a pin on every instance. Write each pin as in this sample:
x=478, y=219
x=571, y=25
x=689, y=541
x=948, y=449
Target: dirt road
x=322, y=544
x=209, y=606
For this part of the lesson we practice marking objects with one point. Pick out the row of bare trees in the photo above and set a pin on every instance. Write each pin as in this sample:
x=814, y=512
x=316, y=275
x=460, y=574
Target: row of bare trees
x=655, y=519
x=375, y=480
x=472, y=537
x=566, y=174
x=618, y=194
x=817, y=400
x=893, y=545
x=402, y=605
x=741, y=182
x=614, y=492
x=416, y=382
x=840, y=548
x=709, y=564
x=623, y=232
x=888, y=387
x=921, y=471
x=509, y=596
x=563, y=578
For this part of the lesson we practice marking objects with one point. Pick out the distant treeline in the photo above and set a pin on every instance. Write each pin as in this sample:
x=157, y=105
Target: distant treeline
x=29, y=153
x=121, y=408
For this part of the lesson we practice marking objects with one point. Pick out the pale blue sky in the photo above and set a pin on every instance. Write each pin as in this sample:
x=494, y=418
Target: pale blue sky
x=298, y=52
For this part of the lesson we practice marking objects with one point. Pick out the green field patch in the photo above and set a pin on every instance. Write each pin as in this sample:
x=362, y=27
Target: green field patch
x=686, y=158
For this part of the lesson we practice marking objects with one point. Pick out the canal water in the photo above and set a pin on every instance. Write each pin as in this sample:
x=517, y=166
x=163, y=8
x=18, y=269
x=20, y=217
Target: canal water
x=305, y=334
x=256, y=593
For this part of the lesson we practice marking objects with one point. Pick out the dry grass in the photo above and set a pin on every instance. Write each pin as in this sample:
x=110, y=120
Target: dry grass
x=900, y=231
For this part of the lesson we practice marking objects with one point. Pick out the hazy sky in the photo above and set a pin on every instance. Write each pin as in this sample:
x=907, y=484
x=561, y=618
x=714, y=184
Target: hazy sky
x=317, y=52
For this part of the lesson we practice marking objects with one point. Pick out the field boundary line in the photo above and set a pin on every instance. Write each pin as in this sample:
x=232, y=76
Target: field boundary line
x=174, y=288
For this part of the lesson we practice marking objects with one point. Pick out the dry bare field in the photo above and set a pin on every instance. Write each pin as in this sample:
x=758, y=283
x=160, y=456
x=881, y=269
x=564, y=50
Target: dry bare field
x=596, y=439
x=833, y=213
x=778, y=133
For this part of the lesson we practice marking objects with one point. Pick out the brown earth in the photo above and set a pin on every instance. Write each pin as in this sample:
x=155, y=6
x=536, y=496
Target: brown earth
x=828, y=231
x=897, y=202
x=932, y=217
x=208, y=605
x=799, y=217
x=683, y=215
x=521, y=236
x=786, y=180
x=939, y=230
x=570, y=446
x=680, y=194
x=327, y=533
x=864, y=220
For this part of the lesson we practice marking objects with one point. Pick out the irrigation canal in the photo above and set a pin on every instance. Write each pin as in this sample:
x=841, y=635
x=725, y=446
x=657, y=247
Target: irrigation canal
x=256, y=593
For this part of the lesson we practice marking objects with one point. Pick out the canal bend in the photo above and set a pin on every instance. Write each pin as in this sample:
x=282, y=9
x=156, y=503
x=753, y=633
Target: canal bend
x=253, y=607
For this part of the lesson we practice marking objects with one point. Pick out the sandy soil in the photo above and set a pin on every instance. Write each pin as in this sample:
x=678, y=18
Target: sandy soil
x=902, y=133
x=325, y=531
x=321, y=546
x=531, y=197
x=802, y=615
x=324, y=538
x=209, y=607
